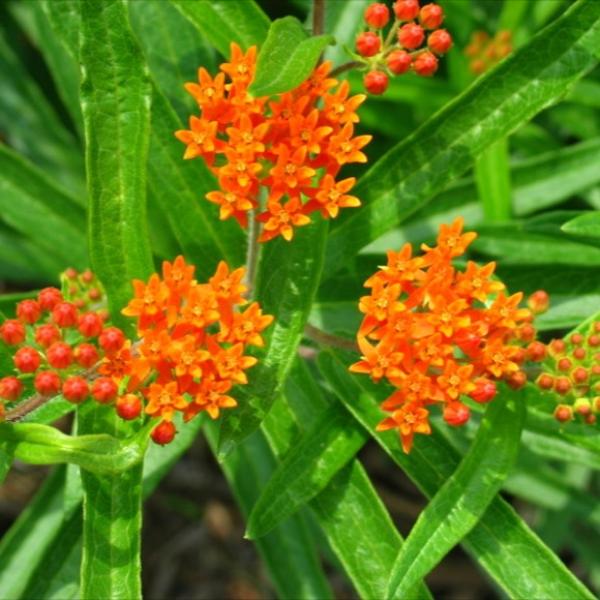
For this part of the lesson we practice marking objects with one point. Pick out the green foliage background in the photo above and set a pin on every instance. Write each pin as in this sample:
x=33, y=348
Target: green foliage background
x=90, y=174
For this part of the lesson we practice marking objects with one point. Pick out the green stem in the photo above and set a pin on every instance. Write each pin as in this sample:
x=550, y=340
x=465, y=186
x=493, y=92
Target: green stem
x=492, y=173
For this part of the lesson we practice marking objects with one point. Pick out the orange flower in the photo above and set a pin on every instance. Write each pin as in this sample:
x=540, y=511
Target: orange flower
x=227, y=285
x=164, y=400
x=211, y=397
x=149, y=300
x=230, y=362
x=246, y=327
x=289, y=149
x=408, y=420
x=280, y=220
x=439, y=332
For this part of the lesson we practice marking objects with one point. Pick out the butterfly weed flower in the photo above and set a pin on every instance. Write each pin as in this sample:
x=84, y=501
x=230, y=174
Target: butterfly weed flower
x=277, y=157
x=440, y=335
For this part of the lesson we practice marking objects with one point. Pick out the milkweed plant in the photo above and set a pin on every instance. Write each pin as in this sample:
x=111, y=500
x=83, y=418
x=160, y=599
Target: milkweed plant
x=298, y=229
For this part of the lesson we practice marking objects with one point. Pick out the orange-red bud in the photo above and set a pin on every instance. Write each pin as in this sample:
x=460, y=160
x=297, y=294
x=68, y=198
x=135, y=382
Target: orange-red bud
x=47, y=383
x=164, y=433
x=90, y=324
x=376, y=82
x=582, y=406
x=563, y=413
x=431, y=16
x=579, y=353
x=377, y=15
x=12, y=332
x=562, y=385
x=484, y=391
x=129, y=406
x=86, y=355
x=46, y=335
x=425, y=64
x=411, y=36
x=580, y=375
x=104, y=390
x=10, y=388
x=545, y=381
x=536, y=351
x=75, y=389
x=64, y=314
x=368, y=44
x=564, y=364
x=399, y=62
x=59, y=355
x=517, y=380
x=456, y=413
x=406, y=10
x=111, y=339
x=538, y=302
x=440, y=41
x=49, y=297
x=28, y=311
x=27, y=359
x=576, y=339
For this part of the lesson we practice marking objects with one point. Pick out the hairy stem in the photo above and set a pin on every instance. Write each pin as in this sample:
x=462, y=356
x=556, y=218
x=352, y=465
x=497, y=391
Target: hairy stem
x=22, y=410
x=318, y=17
x=353, y=64
x=327, y=339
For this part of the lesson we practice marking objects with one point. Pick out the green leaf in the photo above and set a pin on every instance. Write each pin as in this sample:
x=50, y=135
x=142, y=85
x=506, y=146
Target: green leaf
x=117, y=131
x=492, y=174
x=173, y=48
x=501, y=542
x=287, y=57
x=34, y=206
x=587, y=225
x=412, y=172
x=315, y=458
x=31, y=126
x=65, y=73
x=112, y=517
x=287, y=551
x=464, y=497
x=222, y=21
x=287, y=281
x=179, y=188
x=342, y=21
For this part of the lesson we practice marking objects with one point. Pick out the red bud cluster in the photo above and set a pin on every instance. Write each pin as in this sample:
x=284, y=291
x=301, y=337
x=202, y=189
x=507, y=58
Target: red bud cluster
x=414, y=42
x=53, y=339
x=572, y=372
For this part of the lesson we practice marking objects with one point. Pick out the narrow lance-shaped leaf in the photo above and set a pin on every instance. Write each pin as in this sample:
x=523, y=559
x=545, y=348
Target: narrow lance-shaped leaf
x=464, y=498
x=222, y=21
x=501, y=542
x=492, y=173
x=415, y=170
x=287, y=281
x=116, y=119
x=315, y=458
x=287, y=57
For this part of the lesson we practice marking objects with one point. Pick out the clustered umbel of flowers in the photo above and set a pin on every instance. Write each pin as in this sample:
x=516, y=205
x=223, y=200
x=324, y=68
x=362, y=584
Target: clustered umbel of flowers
x=439, y=335
x=191, y=349
x=413, y=42
x=484, y=51
x=55, y=343
x=572, y=372
x=279, y=157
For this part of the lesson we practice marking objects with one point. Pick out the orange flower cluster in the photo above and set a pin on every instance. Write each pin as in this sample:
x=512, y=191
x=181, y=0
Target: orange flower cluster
x=438, y=334
x=572, y=371
x=485, y=51
x=191, y=351
x=292, y=147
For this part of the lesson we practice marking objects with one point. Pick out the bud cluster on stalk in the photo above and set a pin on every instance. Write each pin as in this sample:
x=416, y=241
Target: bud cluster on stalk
x=572, y=371
x=413, y=43
x=484, y=51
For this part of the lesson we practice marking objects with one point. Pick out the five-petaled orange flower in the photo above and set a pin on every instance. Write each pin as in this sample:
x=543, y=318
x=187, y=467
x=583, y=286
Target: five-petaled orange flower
x=292, y=146
x=438, y=334
x=193, y=341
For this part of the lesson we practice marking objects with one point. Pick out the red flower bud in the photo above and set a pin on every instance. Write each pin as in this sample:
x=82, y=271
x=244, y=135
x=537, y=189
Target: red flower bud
x=71, y=273
x=456, y=413
x=484, y=391
x=440, y=41
x=564, y=364
x=87, y=276
x=47, y=383
x=75, y=389
x=86, y=355
x=580, y=375
x=594, y=340
x=49, y=297
x=64, y=314
x=27, y=359
x=94, y=294
x=28, y=311
x=377, y=15
x=111, y=339
x=556, y=347
x=582, y=406
x=399, y=61
x=164, y=433
x=10, y=388
x=406, y=10
x=536, y=351
x=411, y=36
x=563, y=413
x=590, y=419
x=375, y=82
x=46, y=335
x=576, y=339
x=431, y=16
x=104, y=390
x=59, y=355
x=12, y=332
x=129, y=406
x=90, y=324
x=579, y=353
x=368, y=44
x=562, y=385
x=425, y=64
x=538, y=302
x=517, y=380
x=545, y=381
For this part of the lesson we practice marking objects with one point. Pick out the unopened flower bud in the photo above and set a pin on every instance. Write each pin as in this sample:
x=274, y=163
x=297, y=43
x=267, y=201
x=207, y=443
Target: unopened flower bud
x=399, y=61
x=10, y=388
x=47, y=383
x=377, y=15
x=484, y=391
x=440, y=41
x=368, y=44
x=75, y=389
x=411, y=36
x=12, y=332
x=545, y=381
x=28, y=311
x=582, y=406
x=376, y=82
x=538, y=302
x=406, y=10
x=129, y=406
x=431, y=16
x=27, y=359
x=425, y=64
x=563, y=413
x=456, y=413
x=164, y=433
